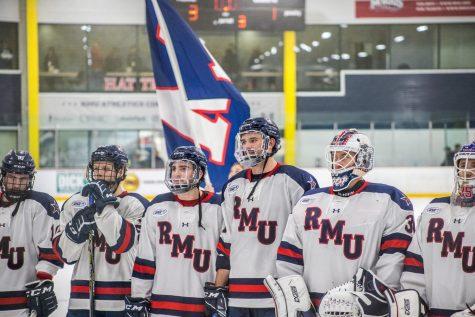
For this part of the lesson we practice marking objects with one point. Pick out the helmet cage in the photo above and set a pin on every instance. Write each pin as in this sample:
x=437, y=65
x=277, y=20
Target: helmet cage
x=110, y=154
x=464, y=191
x=182, y=185
x=251, y=156
x=363, y=158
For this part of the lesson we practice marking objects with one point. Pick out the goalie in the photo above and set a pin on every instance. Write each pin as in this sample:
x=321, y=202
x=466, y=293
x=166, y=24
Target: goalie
x=440, y=262
x=334, y=231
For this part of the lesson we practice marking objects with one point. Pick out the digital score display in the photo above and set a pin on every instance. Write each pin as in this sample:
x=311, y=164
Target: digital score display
x=260, y=15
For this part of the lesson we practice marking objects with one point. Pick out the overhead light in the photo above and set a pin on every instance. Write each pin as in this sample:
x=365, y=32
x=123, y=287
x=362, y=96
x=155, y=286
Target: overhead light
x=267, y=53
x=305, y=47
x=422, y=28
x=362, y=54
x=399, y=38
x=326, y=35
x=261, y=56
x=273, y=50
x=325, y=59
x=257, y=61
x=345, y=56
x=315, y=43
x=280, y=43
x=296, y=49
x=344, y=26
x=380, y=47
x=335, y=57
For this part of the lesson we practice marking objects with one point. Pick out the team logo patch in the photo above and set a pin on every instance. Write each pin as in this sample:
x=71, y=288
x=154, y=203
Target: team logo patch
x=340, y=181
x=233, y=188
x=432, y=210
x=160, y=212
x=406, y=201
x=313, y=184
x=306, y=201
x=78, y=204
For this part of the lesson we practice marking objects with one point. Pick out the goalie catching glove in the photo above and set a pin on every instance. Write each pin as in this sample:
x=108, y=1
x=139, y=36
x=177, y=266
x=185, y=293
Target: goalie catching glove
x=290, y=295
x=40, y=298
x=366, y=296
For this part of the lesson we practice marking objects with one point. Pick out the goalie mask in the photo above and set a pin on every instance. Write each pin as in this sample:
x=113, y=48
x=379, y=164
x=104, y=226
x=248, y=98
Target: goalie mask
x=109, y=164
x=253, y=141
x=185, y=169
x=464, y=163
x=18, y=175
x=349, y=156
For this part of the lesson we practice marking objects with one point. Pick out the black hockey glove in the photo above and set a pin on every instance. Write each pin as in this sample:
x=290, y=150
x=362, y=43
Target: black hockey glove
x=216, y=300
x=77, y=230
x=137, y=307
x=40, y=298
x=102, y=195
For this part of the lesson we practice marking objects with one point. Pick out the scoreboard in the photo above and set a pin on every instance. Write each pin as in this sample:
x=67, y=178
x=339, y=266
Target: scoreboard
x=261, y=15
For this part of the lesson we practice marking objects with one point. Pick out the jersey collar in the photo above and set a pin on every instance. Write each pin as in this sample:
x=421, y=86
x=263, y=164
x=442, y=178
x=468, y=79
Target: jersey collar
x=358, y=188
x=205, y=197
x=252, y=177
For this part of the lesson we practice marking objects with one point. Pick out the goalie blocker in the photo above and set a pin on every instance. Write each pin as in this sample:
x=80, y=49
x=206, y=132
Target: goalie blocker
x=365, y=295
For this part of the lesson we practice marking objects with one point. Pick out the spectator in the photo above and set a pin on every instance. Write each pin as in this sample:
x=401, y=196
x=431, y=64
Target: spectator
x=51, y=61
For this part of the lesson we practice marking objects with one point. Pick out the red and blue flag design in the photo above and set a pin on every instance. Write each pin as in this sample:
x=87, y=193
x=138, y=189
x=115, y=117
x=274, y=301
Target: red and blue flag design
x=197, y=101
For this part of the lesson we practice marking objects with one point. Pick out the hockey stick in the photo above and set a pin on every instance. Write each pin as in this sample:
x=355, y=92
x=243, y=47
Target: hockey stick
x=92, y=269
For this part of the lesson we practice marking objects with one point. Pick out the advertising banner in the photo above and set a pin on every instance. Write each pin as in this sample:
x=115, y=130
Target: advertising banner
x=413, y=8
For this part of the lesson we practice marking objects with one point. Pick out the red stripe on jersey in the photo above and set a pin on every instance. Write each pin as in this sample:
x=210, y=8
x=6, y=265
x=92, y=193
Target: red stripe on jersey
x=316, y=301
x=178, y=306
x=127, y=237
x=56, y=249
x=44, y=276
x=144, y=269
x=112, y=290
x=79, y=289
x=243, y=288
x=288, y=252
x=13, y=300
x=413, y=262
x=223, y=249
x=396, y=243
x=44, y=256
x=102, y=290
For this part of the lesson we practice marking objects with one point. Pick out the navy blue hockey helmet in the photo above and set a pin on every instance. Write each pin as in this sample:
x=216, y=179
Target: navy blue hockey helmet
x=109, y=153
x=188, y=178
x=17, y=162
x=268, y=129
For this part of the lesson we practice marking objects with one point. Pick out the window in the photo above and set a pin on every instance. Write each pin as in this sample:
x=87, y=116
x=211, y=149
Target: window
x=62, y=50
x=73, y=147
x=364, y=47
x=457, y=46
x=413, y=46
x=8, y=141
x=260, y=60
x=318, y=58
x=8, y=45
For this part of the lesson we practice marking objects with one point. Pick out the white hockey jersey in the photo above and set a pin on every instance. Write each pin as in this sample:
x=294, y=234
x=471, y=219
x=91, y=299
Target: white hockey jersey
x=254, y=228
x=329, y=237
x=440, y=262
x=26, y=253
x=114, y=250
x=176, y=257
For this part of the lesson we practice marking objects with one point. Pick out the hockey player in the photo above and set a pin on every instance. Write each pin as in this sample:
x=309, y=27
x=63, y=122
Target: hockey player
x=99, y=235
x=27, y=261
x=440, y=262
x=334, y=231
x=177, y=248
x=256, y=204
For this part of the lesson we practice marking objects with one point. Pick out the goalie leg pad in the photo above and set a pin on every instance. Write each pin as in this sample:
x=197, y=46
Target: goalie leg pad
x=290, y=295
